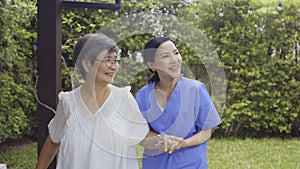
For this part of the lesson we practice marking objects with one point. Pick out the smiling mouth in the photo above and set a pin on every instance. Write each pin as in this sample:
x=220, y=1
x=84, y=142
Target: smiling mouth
x=175, y=67
x=110, y=74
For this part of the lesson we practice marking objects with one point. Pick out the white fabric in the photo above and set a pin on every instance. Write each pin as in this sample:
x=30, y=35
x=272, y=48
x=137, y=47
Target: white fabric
x=103, y=140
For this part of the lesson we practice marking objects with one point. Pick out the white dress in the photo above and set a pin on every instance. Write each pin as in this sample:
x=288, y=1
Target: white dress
x=103, y=140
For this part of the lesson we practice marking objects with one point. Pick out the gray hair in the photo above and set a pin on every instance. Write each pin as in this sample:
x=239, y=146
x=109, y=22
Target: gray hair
x=89, y=47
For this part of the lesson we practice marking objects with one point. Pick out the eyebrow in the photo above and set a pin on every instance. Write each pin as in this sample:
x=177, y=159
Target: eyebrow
x=111, y=54
x=175, y=50
x=163, y=53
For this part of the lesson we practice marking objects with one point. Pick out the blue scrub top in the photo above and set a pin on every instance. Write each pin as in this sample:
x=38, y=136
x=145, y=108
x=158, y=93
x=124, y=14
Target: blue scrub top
x=188, y=110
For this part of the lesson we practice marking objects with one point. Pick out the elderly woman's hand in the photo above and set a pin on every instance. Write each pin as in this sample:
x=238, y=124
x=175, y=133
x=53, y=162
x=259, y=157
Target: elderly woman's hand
x=167, y=143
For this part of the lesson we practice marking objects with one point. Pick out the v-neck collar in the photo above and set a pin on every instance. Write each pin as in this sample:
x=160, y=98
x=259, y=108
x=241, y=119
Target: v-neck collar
x=100, y=108
x=173, y=94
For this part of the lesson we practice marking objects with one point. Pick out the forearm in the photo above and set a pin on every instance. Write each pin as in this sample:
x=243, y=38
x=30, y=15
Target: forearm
x=150, y=141
x=47, y=154
x=199, y=138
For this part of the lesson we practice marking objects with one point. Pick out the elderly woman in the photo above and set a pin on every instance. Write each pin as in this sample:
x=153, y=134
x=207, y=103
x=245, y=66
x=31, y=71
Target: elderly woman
x=97, y=124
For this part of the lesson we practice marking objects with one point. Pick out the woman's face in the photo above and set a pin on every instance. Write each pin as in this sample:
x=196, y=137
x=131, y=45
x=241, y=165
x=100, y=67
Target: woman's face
x=104, y=68
x=167, y=61
x=108, y=68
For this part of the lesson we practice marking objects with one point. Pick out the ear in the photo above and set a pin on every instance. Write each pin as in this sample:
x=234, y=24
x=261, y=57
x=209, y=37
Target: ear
x=85, y=64
x=151, y=66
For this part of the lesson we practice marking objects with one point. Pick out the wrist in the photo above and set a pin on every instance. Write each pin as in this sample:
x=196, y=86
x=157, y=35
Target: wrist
x=157, y=141
x=185, y=143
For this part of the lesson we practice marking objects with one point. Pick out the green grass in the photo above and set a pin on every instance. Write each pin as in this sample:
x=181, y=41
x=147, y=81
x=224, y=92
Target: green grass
x=19, y=157
x=221, y=154
x=254, y=154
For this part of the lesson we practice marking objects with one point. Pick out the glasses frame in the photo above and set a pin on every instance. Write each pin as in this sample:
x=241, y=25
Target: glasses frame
x=109, y=63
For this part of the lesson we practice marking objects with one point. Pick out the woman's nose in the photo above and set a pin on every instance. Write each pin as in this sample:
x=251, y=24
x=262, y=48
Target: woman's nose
x=173, y=59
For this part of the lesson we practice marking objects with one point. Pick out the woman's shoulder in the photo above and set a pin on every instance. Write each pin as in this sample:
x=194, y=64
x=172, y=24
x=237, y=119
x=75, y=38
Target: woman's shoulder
x=190, y=83
x=120, y=94
x=64, y=95
x=69, y=98
x=146, y=89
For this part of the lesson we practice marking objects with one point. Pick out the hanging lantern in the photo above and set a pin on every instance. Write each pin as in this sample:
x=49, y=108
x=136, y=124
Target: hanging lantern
x=134, y=13
x=249, y=10
x=279, y=6
x=129, y=54
x=221, y=12
x=174, y=12
x=196, y=15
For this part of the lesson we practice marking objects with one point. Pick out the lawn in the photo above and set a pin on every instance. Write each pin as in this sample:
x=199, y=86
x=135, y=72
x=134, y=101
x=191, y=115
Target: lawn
x=222, y=154
x=19, y=156
x=254, y=154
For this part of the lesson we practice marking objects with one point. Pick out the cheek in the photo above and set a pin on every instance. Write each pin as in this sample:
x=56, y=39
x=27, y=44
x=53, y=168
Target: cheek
x=160, y=65
x=180, y=61
x=117, y=68
x=100, y=69
x=179, y=58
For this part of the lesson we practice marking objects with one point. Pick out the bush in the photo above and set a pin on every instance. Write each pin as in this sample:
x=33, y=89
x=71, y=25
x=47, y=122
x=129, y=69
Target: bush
x=17, y=106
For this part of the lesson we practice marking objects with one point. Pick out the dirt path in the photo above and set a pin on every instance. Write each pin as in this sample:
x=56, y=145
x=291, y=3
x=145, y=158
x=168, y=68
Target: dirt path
x=14, y=144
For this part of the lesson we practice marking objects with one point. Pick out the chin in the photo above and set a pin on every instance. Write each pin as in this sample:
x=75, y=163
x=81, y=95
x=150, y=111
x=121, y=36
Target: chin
x=108, y=81
x=111, y=80
x=175, y=75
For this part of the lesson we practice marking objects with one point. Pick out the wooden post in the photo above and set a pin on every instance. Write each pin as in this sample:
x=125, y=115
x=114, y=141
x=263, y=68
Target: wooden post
x=49, y=64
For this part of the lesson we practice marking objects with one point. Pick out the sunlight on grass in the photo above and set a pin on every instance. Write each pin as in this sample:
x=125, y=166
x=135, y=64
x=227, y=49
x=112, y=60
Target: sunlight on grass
x=254, y=153
x=221, y=154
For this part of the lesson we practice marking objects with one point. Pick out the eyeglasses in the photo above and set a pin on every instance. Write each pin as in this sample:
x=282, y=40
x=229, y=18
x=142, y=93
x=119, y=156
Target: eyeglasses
x=109, y=62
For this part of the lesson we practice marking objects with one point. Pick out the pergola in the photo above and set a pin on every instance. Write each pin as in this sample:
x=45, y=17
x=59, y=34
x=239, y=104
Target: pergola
x=49, y=56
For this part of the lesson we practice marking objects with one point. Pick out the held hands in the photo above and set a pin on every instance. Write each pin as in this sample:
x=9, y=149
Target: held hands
x=169, y=144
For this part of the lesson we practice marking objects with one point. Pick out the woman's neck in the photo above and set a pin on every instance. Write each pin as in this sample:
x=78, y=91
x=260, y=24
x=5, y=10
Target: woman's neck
x=94, y=96
x=166, y=87
x=94, y=90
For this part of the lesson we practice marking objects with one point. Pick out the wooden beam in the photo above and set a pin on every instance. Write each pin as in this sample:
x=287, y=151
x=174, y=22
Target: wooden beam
x=92, y=5
x=49, y=64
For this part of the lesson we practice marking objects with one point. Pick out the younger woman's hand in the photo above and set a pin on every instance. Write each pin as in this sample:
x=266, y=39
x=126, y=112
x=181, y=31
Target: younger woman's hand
x=177, y=146
x=166, y=143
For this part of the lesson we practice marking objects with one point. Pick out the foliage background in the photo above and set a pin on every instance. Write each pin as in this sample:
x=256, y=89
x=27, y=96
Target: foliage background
x=17, y=69
x=258, y=52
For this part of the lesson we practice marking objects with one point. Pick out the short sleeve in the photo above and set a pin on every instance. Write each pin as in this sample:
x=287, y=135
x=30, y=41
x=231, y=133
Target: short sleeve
x=208, y=116
x=134, y=126
x=142, y=99
x=57, y=126
x=140, y=126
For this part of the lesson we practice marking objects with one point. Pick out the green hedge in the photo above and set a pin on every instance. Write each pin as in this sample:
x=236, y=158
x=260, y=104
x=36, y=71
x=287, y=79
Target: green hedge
x=17, y=69
x=257, y=51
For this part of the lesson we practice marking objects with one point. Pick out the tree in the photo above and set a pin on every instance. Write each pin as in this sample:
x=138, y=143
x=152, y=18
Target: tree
x=17, y=106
